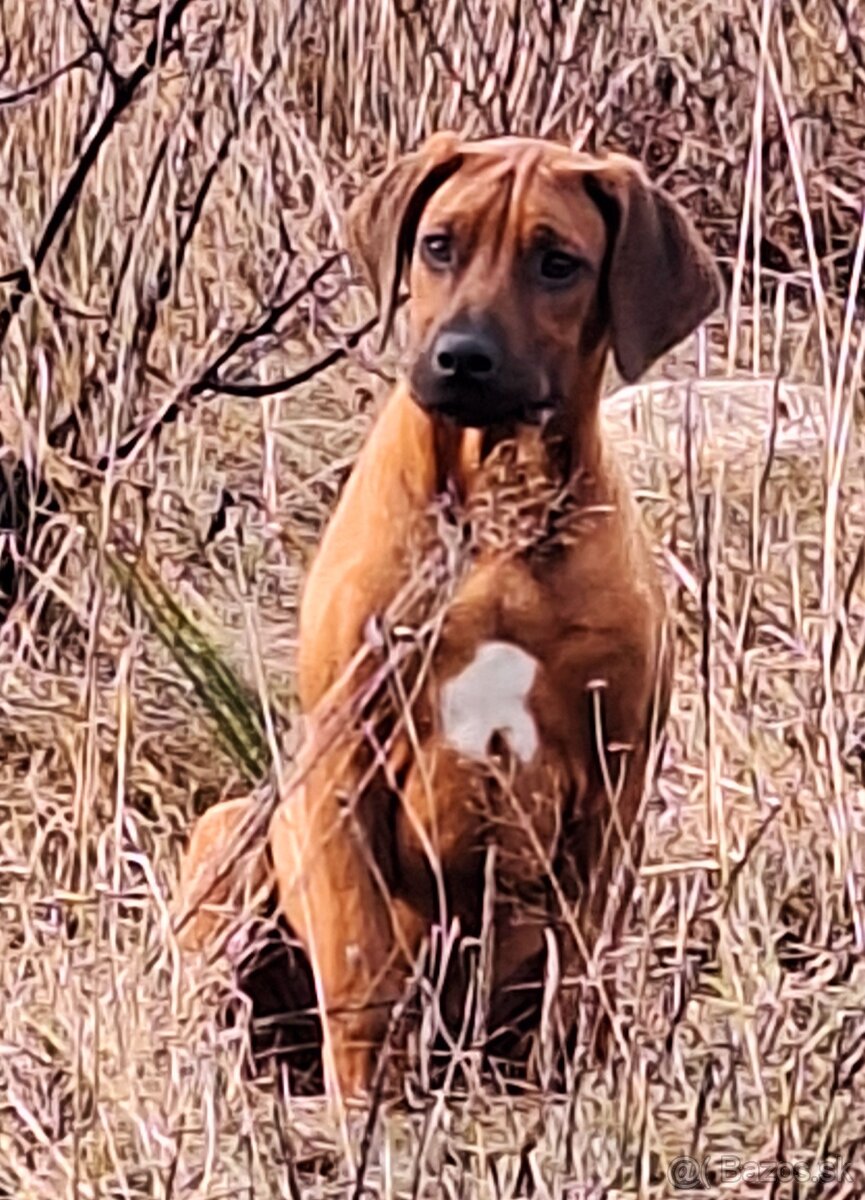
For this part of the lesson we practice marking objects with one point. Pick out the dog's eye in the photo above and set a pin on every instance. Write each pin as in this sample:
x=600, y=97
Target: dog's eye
x=559, y=267
x=438, y=249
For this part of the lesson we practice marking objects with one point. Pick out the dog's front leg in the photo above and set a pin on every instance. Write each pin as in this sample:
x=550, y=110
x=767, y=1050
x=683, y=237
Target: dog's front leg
x=332, y=891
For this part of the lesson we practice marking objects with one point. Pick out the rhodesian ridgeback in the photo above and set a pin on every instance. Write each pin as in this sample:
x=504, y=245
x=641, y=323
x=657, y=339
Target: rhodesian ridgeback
x=483, y=650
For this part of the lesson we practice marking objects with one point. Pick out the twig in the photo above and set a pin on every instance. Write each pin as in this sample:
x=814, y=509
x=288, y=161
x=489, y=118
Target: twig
x=38, y=85
x=457, y=77
x=96, y=45
x=229, y=137
x=209, y=379
x=255, y=391
x=106, y=44
x=125, y=92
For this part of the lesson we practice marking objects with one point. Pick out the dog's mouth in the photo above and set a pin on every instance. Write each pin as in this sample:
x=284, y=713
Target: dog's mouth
x=474, y=416
x=480, y=407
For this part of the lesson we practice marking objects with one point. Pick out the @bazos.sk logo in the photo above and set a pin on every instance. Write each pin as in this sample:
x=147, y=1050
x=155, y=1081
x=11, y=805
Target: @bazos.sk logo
x=688, y=1174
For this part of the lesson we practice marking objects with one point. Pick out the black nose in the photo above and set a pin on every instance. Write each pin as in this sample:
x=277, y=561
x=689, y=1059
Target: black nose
x=467, y=355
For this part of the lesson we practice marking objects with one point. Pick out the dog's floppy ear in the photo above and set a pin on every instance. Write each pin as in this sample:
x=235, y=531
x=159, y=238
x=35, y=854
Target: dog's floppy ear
x=382, y=222
x=661, y=279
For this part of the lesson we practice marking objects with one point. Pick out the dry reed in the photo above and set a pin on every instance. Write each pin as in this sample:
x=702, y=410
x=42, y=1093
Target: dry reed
x=185, y=376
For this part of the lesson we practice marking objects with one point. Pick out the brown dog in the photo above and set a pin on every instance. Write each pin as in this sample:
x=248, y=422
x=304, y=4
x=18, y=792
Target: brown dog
x=535, y=668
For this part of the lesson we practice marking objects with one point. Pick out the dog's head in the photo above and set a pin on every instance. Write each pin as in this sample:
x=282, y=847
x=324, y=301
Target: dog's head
x=526, y=263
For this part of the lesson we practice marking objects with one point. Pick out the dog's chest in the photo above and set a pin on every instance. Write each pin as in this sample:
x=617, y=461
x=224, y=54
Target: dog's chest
x=490, y=697
x=539, y=592
x=524, y=645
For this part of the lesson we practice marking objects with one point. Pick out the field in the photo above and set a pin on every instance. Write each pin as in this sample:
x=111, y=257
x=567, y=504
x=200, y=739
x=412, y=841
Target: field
x=186, y=372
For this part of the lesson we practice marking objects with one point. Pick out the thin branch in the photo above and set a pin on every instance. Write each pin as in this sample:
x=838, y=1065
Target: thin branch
x=39, y=85
x=511, y=68
x=6, y=60
x=110, y=33
x=184, y=235
x=124, y=93
x=96, y=45
x=457, y=77
x=126, y=257
x=103, y=51
x=241, y=119
x=491, y=70
x=209, y=379
x=253, y=390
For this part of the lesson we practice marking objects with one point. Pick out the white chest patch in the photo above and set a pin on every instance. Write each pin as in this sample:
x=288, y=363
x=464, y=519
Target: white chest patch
x=491, y=696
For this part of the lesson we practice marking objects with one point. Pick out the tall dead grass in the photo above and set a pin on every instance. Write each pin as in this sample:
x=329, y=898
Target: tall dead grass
x=184, y=379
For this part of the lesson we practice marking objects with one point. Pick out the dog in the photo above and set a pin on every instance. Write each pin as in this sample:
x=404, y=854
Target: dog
x=511, y=752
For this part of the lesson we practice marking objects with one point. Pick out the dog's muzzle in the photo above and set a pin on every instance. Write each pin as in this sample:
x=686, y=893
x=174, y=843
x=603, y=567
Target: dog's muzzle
x=466, y=373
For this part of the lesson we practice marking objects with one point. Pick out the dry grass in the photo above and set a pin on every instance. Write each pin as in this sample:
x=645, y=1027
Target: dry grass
x=149, y=479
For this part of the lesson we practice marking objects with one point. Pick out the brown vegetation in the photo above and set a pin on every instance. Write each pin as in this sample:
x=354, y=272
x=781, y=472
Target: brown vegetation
x=185, y=375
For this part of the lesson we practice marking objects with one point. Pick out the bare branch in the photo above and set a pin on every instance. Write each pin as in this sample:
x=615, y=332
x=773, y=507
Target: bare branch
x=124, y=93
x=240, y=121
x=256, y=391
x=96, y=45
x=209, y=379
x=39, y=85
